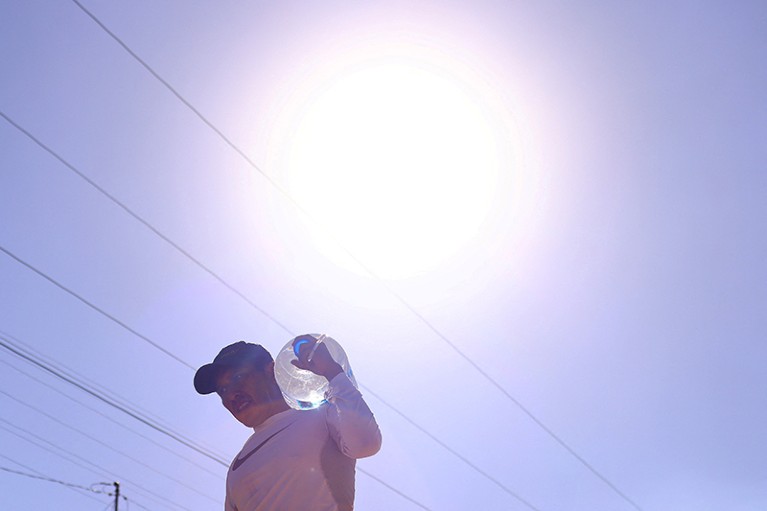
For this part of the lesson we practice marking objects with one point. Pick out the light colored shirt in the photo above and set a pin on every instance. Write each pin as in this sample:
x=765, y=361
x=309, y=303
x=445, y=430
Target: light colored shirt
x=303, y=460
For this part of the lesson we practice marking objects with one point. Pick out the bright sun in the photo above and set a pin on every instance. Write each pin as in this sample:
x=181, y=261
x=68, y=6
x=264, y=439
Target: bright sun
x=399, y=162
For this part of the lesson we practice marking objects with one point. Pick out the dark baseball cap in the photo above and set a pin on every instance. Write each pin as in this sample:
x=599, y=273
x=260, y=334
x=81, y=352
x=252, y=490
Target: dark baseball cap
x=234, y=355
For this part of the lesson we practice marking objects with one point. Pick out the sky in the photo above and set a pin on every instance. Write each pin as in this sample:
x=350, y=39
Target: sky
x=537, y=229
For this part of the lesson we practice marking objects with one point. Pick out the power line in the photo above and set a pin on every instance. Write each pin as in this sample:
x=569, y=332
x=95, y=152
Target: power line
x=5, y=343
x=175, y=436
x=229, y=286
x=392, y=488
x=50, y=480
x=106, y=445
x=113, y=421
x=146, y=224
x=406, y=304
x=382, y=482
x=219, y=460
x=94, y=307
x=64, y=483
x=116, y=493
x=41, y=478
x=236, y=291
x=83, y=462
x=41, y=475
x=30, y=350
x=455, y=453
x=131, y=502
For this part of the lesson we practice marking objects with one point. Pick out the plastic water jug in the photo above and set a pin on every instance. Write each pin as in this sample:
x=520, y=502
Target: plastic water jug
x=303, y=389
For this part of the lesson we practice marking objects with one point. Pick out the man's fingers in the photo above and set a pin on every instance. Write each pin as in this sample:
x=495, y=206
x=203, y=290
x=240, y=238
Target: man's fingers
x=303, y=363
x=300, y=345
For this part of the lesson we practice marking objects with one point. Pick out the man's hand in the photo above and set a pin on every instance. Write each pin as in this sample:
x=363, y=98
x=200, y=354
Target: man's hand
x=315, y=357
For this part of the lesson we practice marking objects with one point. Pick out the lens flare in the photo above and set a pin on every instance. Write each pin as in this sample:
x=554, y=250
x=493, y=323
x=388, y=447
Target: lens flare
x=397, y=162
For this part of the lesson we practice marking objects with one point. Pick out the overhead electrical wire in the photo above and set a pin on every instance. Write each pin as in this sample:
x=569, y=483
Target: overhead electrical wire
x=113, y=199
x=83, y=463
x=74, y=487
x=96, y=308
x=229, y=286
x=405, y=303
x=393, y=292
x=57, y=481
x=50, y=480
x=69, y=460
x=5, y=343
x=30, y=350
x=111, y=394
x=113, y=421
x=154, y=425
x=107, y=446
x=146, y=224
x=148, y=422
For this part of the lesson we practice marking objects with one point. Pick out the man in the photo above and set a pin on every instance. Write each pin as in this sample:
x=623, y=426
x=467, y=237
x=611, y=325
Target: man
x=296, y=460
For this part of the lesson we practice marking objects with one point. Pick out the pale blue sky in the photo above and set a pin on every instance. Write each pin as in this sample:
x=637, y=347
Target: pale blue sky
x=618, y=288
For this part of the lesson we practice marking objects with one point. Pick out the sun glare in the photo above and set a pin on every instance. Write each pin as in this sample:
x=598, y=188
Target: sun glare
x=397, y=162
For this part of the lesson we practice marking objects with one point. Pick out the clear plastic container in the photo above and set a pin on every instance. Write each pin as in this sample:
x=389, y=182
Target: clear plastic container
x=302, y=389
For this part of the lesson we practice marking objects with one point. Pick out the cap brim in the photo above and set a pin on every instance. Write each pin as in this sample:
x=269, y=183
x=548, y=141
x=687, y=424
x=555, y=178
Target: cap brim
x=206, y=376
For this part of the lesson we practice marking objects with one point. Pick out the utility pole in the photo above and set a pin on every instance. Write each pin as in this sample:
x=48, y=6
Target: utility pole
x=117, y=493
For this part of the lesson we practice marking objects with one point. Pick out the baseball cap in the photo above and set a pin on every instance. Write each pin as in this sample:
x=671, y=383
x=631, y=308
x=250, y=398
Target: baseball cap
x=234, y=355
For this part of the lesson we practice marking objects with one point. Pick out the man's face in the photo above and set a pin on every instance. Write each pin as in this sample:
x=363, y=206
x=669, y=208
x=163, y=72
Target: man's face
x=245, y=391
